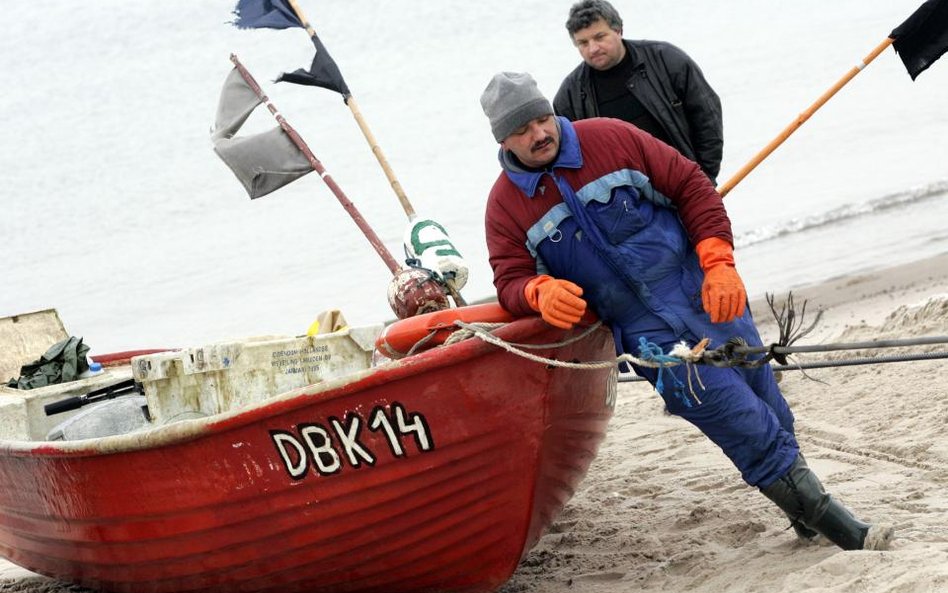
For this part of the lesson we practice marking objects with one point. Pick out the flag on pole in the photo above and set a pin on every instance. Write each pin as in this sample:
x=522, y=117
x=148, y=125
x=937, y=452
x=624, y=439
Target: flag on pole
x=278, y=14
x=923, y=37
x=263, y=162
x=265, y=14
x=323, y=72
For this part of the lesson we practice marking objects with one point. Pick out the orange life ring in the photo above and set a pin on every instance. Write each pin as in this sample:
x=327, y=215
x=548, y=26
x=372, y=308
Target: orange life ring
x=397, y=339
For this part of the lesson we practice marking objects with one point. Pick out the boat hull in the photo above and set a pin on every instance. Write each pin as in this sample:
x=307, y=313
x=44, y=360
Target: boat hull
x=435, y=473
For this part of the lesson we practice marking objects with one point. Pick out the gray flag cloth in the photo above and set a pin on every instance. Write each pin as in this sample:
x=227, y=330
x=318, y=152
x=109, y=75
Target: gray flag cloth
x=262, y=162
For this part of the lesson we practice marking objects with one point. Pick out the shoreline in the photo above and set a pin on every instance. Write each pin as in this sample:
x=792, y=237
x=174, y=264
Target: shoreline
x=876, y=281
x=867, y=295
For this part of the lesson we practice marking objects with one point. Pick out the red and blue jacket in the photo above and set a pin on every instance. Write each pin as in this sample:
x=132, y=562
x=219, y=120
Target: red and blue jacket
x=618, y=213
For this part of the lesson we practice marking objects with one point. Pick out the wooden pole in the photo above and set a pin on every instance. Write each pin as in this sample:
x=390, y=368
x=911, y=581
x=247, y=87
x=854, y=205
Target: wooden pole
x=379, y=155
x=318, y=167
x=799, y=121
x=369, y=136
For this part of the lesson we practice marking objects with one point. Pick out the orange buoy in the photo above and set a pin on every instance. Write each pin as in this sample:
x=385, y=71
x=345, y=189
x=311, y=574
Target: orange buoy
x=397, y=339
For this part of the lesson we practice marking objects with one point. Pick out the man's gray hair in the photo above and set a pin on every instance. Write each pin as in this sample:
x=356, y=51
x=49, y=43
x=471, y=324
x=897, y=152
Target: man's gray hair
x=586, y=12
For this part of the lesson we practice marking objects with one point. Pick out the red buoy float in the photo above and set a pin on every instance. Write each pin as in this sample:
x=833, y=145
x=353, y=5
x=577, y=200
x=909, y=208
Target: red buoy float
x=397, y=339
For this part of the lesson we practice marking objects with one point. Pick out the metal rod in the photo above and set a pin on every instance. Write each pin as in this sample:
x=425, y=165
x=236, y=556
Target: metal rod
x=629, y=378
x=923, y=341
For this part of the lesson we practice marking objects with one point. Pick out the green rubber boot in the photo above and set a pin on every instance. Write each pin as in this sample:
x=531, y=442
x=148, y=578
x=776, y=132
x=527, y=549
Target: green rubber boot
x=801, y=496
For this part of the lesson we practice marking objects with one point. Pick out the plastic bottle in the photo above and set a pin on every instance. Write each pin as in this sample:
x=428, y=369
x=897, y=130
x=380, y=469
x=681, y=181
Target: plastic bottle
x=95, y=368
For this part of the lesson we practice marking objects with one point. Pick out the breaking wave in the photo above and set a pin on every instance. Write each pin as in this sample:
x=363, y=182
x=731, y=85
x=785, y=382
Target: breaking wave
x=843, y=213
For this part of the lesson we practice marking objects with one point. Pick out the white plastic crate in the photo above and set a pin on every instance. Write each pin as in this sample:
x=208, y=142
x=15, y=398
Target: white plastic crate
x=210, y=379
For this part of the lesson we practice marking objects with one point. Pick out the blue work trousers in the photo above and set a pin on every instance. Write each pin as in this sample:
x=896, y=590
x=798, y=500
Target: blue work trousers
x=741, y=410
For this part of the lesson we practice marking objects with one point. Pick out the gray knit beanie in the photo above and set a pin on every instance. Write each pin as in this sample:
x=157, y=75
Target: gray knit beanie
x=511, y=100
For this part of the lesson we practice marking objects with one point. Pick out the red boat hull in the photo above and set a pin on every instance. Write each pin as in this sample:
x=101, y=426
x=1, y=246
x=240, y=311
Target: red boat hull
x=435, y=473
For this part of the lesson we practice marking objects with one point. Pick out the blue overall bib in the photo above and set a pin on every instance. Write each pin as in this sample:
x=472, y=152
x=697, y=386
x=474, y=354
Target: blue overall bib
x=623, y=243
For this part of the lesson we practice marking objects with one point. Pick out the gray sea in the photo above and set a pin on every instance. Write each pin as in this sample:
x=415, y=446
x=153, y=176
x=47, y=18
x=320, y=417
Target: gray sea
x=116, y=211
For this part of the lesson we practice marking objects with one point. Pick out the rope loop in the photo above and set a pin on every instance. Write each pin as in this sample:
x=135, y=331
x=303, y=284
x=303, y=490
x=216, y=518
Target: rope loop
x=652, y=358
x=733, y=353
x=651, y=352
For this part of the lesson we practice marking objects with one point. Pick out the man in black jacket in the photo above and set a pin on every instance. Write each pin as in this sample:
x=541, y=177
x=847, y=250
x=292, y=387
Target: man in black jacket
x=651, y=84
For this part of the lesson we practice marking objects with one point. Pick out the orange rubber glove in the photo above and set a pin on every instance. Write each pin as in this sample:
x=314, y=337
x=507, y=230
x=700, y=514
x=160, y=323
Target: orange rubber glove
x=557, y=301
x=722, y=294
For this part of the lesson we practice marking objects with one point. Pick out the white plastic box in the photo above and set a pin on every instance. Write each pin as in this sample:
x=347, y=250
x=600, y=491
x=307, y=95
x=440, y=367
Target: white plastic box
x=210, y=379
x=23, y=339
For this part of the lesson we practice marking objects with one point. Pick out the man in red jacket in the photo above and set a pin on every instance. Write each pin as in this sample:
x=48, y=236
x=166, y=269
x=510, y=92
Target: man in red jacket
x=599, y=213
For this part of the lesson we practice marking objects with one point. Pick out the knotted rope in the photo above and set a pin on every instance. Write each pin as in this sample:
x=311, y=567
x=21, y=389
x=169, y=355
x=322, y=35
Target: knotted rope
x=651, y=354
x=734, y=353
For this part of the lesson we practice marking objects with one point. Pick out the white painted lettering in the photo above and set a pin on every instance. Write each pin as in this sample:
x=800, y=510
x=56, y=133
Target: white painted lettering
x=296, y=469
x=416, y=426
x=327, y=450
x=380, y=420
x=324, y=456
x=349, y=438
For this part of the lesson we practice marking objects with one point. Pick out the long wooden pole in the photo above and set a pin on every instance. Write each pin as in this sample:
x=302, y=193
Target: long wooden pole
x=799, y=121
x=369, y=136
x=318, y=167
x=377, y=151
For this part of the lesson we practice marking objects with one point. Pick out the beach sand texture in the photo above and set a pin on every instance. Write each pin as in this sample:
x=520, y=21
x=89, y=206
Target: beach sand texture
x=662, y=509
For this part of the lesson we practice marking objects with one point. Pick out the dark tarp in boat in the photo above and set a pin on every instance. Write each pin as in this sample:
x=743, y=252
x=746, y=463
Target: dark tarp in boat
x=63, y=362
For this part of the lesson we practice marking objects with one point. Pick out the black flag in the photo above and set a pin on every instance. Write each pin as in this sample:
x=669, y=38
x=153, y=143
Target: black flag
x=323, y=72
x=277, y=14
x=265, y=14
x=923, y=37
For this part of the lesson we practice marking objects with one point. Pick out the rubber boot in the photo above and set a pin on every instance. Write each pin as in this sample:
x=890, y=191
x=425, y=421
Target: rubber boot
x=802, y=531
x=801, y=496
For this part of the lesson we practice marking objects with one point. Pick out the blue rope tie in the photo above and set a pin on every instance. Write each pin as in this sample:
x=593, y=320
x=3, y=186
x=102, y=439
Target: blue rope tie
x=650, y=351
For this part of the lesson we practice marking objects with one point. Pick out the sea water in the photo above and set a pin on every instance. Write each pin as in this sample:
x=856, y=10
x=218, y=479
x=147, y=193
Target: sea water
x=116, y=211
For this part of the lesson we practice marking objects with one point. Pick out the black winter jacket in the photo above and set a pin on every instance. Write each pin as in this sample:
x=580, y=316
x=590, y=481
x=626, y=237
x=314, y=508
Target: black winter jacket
x=673, y=89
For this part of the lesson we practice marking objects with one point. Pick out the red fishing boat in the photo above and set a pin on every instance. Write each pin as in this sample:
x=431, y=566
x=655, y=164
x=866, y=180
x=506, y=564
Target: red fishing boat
x=436, y=472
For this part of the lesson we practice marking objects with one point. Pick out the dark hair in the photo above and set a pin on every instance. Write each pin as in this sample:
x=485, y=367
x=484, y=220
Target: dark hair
x=586, y=12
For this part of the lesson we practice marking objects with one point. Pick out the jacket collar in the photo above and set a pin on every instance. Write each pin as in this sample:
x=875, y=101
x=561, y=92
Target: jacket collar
x=634, y=56
x=569, y=157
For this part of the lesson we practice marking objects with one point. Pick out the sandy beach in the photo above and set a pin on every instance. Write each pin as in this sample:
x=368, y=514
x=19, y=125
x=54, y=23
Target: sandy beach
x=662, y=509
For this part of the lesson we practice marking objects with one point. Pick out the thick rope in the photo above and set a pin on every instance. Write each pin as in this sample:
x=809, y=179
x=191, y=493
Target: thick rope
x=421, y=343
x=651, y=357
x=734, y=353
x=469, y=330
